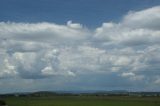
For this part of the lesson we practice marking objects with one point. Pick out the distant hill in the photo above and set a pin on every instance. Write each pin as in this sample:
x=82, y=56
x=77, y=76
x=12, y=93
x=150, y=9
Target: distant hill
x=82, y=93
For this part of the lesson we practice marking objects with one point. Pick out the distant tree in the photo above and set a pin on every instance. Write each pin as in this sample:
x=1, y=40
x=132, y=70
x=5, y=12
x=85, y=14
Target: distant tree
x=2, y=103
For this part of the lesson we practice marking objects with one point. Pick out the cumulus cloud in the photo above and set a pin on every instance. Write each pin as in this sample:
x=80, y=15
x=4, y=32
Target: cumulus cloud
x=43, y=32
x=128, y=49
x=136, y=28
x=148, y=18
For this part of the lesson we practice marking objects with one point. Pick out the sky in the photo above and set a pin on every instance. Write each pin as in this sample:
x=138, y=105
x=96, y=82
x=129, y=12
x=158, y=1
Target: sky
x=79, y=45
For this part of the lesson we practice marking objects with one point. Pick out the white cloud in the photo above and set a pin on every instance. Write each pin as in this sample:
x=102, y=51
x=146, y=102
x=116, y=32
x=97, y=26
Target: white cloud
x=137, y=28
x=148, y=18
x=74, y=25
x=128, y=74
x=128, y=49
x=43, y=32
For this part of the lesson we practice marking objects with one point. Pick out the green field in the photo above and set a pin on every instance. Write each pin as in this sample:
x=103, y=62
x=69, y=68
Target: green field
x=82, y=101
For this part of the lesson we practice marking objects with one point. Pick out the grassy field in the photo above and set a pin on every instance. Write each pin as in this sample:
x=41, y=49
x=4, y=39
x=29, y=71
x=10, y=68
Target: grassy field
x=82, y=101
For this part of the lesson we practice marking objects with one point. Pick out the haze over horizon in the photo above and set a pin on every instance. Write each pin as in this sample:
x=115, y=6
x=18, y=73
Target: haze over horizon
x=79, y=45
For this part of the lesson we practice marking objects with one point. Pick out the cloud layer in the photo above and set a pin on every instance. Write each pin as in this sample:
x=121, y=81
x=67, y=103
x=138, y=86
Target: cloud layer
x=126, y=52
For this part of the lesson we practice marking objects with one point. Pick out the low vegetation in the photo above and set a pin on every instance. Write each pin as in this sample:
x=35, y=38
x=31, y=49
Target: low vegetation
x=83, y=101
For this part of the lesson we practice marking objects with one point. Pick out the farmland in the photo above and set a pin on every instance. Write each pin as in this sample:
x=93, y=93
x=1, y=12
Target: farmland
x=83, y=101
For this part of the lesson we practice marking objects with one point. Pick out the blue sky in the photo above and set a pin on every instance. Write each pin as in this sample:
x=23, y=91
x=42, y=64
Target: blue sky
x=79, y=45
x=91, y=13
